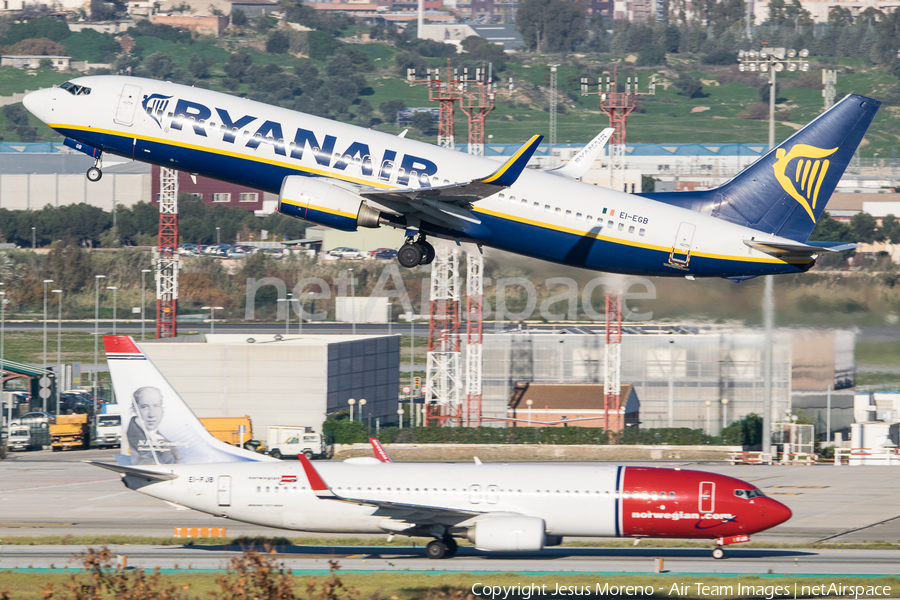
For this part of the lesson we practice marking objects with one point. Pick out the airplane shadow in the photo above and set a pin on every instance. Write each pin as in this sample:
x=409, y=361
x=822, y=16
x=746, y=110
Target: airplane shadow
x=400, y=552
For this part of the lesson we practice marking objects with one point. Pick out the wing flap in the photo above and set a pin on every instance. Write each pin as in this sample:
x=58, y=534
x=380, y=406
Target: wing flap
x=777, y=248
x=134, y=471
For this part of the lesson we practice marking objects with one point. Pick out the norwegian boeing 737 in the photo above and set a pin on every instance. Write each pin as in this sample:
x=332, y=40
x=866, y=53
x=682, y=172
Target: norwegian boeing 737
x=169, y=455
x=346, y=177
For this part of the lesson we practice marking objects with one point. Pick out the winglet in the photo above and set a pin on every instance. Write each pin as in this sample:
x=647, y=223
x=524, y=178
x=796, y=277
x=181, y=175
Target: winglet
x=506, y=175
x=580, y=164
x=380, y=453
x=316, y=483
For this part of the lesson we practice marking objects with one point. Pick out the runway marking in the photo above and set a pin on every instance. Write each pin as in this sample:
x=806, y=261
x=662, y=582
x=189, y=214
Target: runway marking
x=29, y=525
x=855, y=530
x=107, y=496
x=38, y=487
x=784, y=494
x=804, y=487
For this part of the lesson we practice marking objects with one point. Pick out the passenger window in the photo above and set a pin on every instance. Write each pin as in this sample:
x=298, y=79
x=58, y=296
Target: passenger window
x=631, y=229
x=537, y=206
x=212, y=125
x=512, y=199
x=568, y=213
x=642, y=231
x=621, y=226
x=546, y=208
x=502, y=196
x=589, y=219
x=558, y=210
x=609, y=223
x=671, y=494
x=524, y=202
x=577, y=216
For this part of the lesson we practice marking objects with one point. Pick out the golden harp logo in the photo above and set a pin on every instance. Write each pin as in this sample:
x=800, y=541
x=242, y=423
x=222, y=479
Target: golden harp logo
x=807, y=175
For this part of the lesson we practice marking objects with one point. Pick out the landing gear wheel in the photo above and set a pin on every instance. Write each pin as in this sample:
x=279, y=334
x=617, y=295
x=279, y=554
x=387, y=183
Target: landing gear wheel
x=436, y=549
x=276, y=453
x=409, y=255
x=94, y=174
x=452, y=546
x=427, y=252
x=718, y=553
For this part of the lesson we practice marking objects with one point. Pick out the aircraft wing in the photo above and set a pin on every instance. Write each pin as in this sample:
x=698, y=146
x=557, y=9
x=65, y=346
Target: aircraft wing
x=418, y=514
x=134, y=471
x=796, y=249
x=460, y=194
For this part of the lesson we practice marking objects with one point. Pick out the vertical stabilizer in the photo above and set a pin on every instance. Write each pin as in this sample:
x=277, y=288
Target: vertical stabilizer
x=158, y=428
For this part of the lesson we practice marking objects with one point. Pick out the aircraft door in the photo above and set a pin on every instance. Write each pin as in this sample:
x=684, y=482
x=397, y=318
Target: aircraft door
x=681, y=251
x=224, y=490
x=707, y=498
x=128, y=101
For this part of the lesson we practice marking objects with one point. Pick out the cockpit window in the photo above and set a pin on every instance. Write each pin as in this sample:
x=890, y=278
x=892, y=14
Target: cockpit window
x=75, y=90
x=749, y=494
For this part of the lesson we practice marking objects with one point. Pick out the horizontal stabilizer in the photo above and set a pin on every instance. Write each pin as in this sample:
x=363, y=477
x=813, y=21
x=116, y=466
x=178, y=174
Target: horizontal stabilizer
x=793, y=248
x=466, y=192
x=577, y=166
x=134, y=471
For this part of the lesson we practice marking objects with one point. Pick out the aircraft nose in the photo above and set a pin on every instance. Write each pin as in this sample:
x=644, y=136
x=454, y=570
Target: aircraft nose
x=775, y=513
x=36, y=103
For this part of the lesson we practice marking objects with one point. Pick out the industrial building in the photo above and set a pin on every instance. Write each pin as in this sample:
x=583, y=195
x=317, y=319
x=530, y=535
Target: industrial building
x=282, y=380
x=676, y=370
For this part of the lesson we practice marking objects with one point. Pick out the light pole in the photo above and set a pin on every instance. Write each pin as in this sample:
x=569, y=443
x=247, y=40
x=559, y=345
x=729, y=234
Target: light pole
x=58, y=347
x=2, y=350
x=529, y=403
x=302, y=301
x=46, y=282
x=143, y=300
x=708, y=405
x=287, y=313
x=97, y=279
x=353, y=300
x=115, y=304
x=351, y=402
x=212, y=317
x=770, y=60
x=33, y=238
x=400, y=416
x=362, y=402
x=412, y=366
x=218, y=235
x=724, y=413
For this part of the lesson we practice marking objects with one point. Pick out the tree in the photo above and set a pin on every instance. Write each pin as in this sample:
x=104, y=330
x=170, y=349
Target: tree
x=689, y=87
x=238, y=18
x=890, y=228
x=159, y=65
x=551, y=25
x=863, y=225
x=238, y=64
x=199, y=65
x=41, y=27
x=92, y=46
x=278, y=42
x=651, y=55
x=390, y=108
x=423, y=121
x=102, y=11
x=39, y=47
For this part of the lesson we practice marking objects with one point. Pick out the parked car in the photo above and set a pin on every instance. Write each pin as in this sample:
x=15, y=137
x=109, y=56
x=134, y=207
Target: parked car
x=372, y=253
x=186, y=248
x=235, y=253
x=344, y=252
x=34, y=417
x=273, y=253
x=385, y=254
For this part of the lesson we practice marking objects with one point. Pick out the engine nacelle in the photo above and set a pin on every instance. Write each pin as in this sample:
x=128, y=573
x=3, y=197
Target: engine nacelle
x=321, y=201
x=508, y=534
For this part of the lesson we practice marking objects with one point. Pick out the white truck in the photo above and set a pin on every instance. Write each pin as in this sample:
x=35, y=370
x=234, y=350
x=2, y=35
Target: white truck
x=291, y=441
x=19, y=437
x=108, y=432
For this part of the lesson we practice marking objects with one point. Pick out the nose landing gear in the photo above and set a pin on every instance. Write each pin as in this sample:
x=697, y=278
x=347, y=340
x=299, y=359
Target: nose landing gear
x=94, y=173
x=414, y=253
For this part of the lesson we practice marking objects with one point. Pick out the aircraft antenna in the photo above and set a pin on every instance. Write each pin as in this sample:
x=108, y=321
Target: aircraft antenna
x=167, y=259
x=474, y=328
x=443, y=381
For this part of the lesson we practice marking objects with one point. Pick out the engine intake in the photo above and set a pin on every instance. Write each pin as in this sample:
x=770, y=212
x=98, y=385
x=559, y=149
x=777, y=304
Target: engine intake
x=508, y=534
x=323, y=202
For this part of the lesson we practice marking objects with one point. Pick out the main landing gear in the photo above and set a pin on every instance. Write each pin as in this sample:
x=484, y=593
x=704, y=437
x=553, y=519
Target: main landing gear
x=445, y=547
x=414, y=253
x=718, y=552
x=94, y=173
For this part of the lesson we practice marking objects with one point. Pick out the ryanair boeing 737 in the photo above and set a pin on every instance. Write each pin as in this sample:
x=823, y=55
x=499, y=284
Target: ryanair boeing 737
x=346, y=177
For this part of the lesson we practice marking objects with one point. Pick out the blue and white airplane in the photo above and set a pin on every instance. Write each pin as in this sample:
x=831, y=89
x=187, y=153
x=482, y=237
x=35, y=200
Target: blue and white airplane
x=346, y=177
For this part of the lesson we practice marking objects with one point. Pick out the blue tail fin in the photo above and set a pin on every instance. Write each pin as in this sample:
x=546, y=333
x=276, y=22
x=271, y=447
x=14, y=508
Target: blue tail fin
x=785, y=191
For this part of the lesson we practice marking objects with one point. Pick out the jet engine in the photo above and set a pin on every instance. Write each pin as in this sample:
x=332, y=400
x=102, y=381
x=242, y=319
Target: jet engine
x=508, y=534
x=324, y=202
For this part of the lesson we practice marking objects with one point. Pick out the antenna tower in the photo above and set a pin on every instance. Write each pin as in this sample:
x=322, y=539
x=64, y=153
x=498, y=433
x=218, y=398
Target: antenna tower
x=167, y=260
x=443, y=384
x=617, y=105
x=829, y=80
x=474, y=328
x=612, y=371
x=447, y=92
x=552, y=111
x=477, y=102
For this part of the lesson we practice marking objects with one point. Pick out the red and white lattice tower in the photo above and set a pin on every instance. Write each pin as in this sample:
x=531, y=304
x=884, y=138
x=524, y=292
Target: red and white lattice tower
x=447, y=90
x=477, y=102
x=167, y=261
x=612, y=371
x=474, y=328
x=443, y=382
x=617, y=105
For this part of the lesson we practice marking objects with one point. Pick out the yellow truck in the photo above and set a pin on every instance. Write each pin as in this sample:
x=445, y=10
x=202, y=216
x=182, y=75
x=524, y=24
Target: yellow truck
x=228, y=429
x=69, y=431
